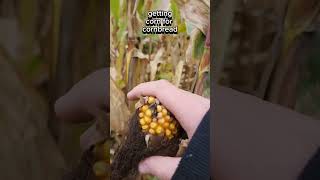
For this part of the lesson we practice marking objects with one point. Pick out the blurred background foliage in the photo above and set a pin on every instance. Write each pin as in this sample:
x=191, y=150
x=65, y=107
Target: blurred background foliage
x=270, y=49
x=46, y=46
x=182, y=59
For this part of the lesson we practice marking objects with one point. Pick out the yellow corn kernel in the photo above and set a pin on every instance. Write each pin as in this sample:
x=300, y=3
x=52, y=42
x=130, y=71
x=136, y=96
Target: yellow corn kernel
x=159, y=130
x=147, y=120
x=159, y=115
x=152, y=131
x=166, y=125
x=161, y=121
x=151, y=100
x=148, y=112
x=144, y=108
x=168, y=132
x=145, y=127
x=142, y=121
x=141, y=115
x=153, y=125
x=159, y=108
x=172, y=126
x=164, y=112
x=167, y=118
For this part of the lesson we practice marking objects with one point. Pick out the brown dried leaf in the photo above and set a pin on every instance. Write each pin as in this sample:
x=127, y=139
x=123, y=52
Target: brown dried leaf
x=196, y=46
x=154, y=63
x=196, y=13
x=182, y=147
x=139, y=103
x=139, y=54
x=128, y=62
x=178, y=73
x=119, y=112
x=300, y=14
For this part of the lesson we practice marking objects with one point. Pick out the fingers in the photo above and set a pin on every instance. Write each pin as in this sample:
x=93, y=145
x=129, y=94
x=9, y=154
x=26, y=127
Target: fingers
x=188, y=108
x=152, y=88
x=85, y=97
x=162, y=167
x=144, y=89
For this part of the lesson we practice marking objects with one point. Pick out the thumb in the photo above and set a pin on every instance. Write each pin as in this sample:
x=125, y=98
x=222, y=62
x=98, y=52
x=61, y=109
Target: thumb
x=160, y=166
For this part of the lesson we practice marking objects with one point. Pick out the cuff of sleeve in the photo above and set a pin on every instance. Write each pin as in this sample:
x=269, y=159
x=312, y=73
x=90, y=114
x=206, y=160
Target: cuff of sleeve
x=195, y=162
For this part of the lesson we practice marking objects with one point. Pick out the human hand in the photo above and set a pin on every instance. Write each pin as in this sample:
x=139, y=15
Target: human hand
x=188, y=108
x=85, y=99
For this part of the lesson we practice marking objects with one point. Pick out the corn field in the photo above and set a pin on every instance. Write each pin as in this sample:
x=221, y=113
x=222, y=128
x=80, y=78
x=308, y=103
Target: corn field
x=182, y=59
x=269, y=49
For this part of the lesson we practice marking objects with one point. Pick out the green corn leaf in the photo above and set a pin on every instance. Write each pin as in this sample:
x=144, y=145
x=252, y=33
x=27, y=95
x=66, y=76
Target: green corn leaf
x=198, y=45
x=115, y=8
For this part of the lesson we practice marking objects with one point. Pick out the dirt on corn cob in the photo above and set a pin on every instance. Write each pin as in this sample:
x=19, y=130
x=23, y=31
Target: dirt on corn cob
x=152, y=130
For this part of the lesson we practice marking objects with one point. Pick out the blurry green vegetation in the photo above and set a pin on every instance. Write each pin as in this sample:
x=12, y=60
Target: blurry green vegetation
x=270, y=49
x=46, y=46
x=182, y=59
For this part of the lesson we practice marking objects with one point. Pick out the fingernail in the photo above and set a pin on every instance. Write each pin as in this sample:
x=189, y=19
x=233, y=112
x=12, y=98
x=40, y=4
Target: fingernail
x=128, y=94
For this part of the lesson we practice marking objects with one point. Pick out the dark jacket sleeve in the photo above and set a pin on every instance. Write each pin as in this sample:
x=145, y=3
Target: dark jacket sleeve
x=195, y=162
x=312, y=170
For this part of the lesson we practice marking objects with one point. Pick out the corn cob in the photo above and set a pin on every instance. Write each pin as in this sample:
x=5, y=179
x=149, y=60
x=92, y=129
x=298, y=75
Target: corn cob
x=155, y=119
